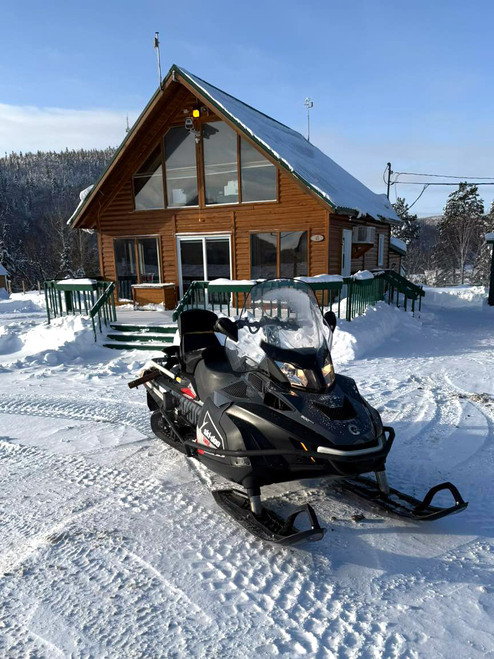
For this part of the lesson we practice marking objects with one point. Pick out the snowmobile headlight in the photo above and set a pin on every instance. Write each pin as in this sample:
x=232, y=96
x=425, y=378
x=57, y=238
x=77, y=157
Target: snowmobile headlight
x=328, y=371
x=296, y=376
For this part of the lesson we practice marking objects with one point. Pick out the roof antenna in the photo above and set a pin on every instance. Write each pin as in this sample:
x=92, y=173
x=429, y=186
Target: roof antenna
x=157, y=48
x=309, y=104
x=127, y=128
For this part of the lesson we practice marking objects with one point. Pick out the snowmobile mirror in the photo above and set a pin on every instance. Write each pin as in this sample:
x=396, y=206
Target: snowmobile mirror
x=227, y=327
x=330, y=318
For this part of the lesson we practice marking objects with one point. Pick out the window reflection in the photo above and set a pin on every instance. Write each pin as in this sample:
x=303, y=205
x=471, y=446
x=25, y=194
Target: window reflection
x=263, y=248
x=290, y=261
x=180, y=166
x=148, y=183
x=258, y=175
x=220, y=163
x=293, y=254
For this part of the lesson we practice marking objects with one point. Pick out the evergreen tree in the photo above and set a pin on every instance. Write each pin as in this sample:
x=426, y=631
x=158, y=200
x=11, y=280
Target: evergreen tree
x=409, y=232
x=460, y=233
x=38, y=193
x=409, y=229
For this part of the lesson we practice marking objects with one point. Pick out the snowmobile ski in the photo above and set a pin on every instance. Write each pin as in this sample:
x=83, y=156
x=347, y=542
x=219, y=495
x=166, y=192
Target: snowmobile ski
x=404, y=505
x=268, y=526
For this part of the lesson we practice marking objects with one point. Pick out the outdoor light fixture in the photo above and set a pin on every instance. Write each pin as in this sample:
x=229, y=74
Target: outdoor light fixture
x=196, y=113
x=189, y=125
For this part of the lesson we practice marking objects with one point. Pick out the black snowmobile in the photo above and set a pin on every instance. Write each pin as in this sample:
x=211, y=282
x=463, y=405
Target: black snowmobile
x=265, y=406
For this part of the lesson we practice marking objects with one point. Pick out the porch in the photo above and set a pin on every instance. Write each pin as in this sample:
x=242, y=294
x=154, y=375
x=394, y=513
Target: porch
x=127, y=327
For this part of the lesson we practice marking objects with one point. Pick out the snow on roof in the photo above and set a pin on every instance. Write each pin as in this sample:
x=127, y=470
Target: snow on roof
x=319, y=172
x=82, y=198
x=397, y=244
x=2, y=270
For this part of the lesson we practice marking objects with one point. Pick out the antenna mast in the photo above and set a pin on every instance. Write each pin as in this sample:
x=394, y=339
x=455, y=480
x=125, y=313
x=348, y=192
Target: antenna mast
x=309, y=104
x=158, y=55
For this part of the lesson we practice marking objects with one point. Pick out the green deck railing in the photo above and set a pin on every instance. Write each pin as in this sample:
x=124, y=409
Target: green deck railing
x=348, y=298
x=94, y=299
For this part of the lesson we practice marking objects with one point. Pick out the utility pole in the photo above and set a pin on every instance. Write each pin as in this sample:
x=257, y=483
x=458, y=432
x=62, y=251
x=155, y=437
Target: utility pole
x=157, y=48
x=309, y=104
x=388, y=182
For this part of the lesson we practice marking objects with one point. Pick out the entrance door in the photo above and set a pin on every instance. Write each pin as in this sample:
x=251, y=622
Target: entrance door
x=346, y=253
x=203, y=258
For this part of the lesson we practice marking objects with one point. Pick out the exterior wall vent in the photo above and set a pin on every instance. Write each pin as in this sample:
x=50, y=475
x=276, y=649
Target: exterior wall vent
x=364, y=235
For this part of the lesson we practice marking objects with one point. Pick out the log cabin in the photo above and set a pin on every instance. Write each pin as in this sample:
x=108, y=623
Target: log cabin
x=204, y=186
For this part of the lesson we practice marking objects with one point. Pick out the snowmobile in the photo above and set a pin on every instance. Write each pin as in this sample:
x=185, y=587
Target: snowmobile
x=257, y=401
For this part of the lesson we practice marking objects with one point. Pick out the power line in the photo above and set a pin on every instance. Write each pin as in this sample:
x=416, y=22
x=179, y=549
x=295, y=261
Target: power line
x=463, y=178
x=427, y=183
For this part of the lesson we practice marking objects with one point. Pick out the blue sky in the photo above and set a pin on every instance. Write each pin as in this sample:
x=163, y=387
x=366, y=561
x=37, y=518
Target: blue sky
x=405, y=82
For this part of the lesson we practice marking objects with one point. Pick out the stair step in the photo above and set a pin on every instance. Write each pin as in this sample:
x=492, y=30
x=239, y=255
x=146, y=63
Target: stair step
x=118, y=345
x=149, y=329
x=141, y=338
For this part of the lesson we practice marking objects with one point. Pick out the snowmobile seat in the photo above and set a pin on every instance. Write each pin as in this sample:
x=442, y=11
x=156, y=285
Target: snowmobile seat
x=213, y=372
x=196, y=329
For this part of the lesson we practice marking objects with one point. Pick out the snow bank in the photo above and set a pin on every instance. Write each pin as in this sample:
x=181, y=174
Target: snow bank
x=455, y=297
x=353, y=340
x=29, y=302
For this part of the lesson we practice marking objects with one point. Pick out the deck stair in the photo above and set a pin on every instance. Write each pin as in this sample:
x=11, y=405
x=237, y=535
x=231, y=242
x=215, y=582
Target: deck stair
x=139, y=337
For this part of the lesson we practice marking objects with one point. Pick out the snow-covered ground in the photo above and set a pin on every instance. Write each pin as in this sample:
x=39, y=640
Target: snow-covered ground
x=111, y=545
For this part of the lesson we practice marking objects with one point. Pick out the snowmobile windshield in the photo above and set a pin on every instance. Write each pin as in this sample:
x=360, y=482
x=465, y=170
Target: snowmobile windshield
x=280, y=316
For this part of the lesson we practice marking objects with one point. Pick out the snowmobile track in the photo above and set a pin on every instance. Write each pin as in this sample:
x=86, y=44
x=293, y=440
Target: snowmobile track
x=114, y=412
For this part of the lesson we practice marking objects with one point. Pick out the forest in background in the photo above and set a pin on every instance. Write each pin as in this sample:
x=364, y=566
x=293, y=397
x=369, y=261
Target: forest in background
x=40, y=191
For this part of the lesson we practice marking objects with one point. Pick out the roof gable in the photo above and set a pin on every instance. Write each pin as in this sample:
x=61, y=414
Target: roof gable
x=323, y=175
x=342, y=192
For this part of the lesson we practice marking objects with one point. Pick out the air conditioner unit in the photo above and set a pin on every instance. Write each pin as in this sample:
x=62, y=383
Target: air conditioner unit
x=364, y=235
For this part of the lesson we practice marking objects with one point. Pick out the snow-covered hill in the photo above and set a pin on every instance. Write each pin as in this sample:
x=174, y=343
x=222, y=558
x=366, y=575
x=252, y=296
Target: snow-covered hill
x=111, y=545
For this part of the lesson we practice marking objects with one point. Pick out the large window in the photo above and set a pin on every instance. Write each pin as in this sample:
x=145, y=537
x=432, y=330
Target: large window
x=148, y=184
x=180, y=167
x=233, y=170
x=220, y=163
x=278, y=254
x=258, y=175
x=136, y=262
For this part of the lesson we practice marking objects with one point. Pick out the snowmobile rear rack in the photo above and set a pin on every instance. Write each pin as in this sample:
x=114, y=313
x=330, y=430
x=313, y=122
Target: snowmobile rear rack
x=268, y=525
x=404, y=505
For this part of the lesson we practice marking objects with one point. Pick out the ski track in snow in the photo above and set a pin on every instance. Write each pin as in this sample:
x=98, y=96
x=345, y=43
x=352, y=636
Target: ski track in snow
x=118, y=550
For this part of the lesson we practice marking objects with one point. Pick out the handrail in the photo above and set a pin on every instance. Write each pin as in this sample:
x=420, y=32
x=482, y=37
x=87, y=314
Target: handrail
x=104, y=309
x=349, y=297
x=91, y=298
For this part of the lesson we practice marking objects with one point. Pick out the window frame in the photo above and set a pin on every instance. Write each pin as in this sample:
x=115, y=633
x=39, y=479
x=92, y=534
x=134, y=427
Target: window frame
x=380, y=249
x=157, y=237
x=278, y=248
